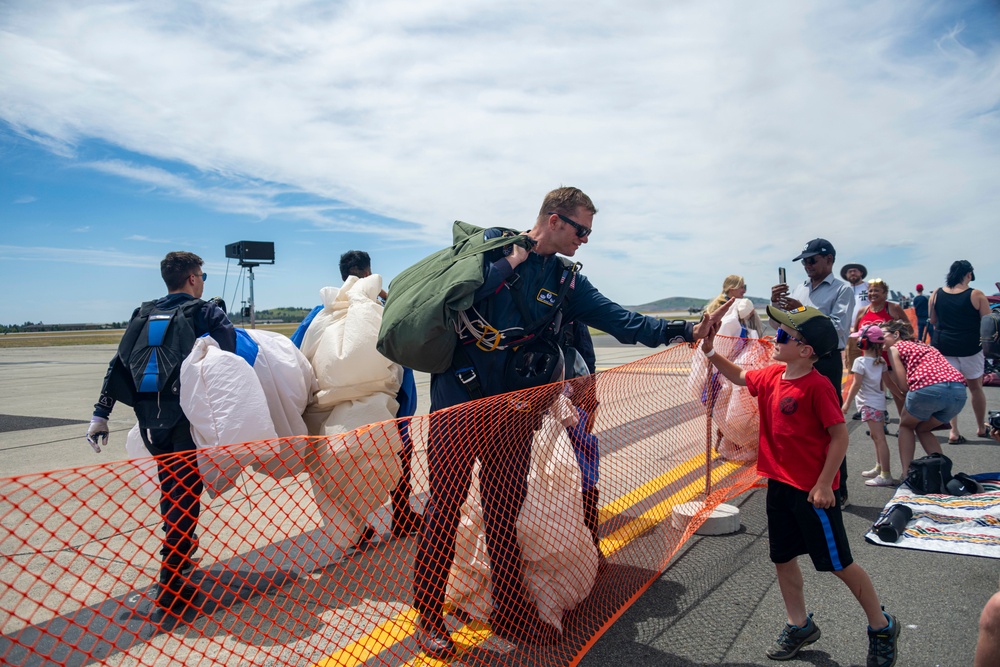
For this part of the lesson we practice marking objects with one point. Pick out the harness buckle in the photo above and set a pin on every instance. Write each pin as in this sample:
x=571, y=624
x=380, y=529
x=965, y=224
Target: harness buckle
x=466, y=375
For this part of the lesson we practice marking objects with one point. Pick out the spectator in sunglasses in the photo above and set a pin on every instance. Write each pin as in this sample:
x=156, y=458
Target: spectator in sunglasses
x=832, y=297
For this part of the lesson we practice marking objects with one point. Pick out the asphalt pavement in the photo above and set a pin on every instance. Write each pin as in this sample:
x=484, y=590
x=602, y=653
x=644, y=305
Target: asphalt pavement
x=717, y=604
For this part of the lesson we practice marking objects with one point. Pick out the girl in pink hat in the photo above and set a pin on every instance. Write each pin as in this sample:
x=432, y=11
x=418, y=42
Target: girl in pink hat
x=868, y=393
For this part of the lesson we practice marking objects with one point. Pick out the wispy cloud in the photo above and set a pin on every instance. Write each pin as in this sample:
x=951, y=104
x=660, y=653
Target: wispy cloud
x=81, y=230
x=146, y=239
x=88, y=256
x=25, y=200
x=709, y=134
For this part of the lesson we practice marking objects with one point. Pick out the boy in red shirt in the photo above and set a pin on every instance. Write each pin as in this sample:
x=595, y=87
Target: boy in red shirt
x=803, y=439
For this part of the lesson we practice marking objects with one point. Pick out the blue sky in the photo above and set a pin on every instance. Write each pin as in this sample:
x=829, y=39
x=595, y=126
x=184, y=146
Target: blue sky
x=714, y=137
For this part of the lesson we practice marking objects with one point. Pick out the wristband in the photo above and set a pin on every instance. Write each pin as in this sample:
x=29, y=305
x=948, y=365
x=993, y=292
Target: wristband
x=710, y=353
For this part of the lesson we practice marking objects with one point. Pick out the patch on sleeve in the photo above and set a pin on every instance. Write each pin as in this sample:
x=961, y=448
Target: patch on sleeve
x=546, y=297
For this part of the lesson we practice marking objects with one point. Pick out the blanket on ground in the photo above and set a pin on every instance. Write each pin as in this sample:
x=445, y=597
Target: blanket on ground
x=968, y=525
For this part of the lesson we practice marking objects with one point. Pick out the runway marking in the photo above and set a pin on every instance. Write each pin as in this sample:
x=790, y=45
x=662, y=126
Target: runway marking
x=393, y=631
x=655, y=515
x=384, y=635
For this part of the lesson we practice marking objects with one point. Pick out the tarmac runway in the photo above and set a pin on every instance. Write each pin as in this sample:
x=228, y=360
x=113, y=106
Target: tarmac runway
x=718, y=603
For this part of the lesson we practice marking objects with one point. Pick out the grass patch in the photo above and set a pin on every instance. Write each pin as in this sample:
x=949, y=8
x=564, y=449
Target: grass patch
x=61, y=338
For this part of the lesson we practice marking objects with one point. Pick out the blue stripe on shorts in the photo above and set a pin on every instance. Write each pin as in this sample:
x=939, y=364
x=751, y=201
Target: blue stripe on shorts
x=831, y=544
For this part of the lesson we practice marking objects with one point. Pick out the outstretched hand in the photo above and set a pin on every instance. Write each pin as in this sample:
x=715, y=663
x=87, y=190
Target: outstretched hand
x=710, y=323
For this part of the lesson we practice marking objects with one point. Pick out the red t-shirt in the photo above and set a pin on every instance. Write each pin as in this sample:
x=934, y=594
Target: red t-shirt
x=794, y=418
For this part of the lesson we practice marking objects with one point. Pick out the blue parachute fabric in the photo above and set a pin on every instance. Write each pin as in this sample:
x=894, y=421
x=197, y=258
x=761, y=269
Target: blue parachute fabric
x=300, y=333
x=246, y=346
x=587, y=450
x=157, y=329
x=151, y=374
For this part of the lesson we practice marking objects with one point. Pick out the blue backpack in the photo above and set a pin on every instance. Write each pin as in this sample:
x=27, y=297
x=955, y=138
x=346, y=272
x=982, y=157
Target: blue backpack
x=146, y=373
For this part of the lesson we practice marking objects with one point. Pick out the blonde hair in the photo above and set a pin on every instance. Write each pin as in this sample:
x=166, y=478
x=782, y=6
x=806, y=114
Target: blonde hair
x=878, y=282
x=731, y=282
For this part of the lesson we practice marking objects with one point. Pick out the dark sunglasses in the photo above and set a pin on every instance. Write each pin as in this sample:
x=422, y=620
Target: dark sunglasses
x=809, y=261
x=782, y=336
x=581, y=231
x=204, y=276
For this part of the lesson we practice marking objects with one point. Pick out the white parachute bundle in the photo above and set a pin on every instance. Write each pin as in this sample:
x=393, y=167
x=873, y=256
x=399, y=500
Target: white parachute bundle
x=357, y=387
x=224, y=402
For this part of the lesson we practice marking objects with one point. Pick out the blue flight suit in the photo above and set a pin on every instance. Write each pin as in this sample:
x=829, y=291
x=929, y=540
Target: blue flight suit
x=458, y=437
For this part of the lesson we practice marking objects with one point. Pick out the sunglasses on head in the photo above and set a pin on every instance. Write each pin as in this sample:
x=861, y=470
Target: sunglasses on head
x=782, y=336
x=581, y=231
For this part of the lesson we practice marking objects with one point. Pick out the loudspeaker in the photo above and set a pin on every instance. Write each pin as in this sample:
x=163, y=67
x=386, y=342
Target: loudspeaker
x=251, y=251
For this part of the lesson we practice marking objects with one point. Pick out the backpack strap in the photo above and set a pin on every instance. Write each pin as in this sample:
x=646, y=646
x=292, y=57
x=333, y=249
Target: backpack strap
x=462, y=366
x=567, y=282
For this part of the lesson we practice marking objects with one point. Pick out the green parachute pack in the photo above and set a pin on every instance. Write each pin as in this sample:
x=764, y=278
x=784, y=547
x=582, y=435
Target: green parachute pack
x=419, y=321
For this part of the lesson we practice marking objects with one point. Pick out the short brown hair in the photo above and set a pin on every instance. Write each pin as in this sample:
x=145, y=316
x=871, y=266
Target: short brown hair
x=177, y=266
x=566, y=201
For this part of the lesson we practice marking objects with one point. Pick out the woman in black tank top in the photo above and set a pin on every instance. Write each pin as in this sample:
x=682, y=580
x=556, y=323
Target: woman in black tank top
x=956, y=312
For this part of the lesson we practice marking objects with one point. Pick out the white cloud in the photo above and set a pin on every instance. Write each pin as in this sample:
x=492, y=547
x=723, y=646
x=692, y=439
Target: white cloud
x=87, y=256
x=713, y=136
x=27, y=199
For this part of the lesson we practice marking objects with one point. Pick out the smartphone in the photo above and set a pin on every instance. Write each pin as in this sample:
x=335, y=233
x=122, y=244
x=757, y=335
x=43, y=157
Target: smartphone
x=781, y=276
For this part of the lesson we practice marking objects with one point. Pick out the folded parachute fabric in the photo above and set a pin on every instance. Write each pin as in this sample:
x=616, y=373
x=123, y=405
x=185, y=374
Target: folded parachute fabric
x=224, y=402
x=354, y=467
x=469, y=576
x=340, y=345
x=560, y=559
x=149, y=481
x=287, y=379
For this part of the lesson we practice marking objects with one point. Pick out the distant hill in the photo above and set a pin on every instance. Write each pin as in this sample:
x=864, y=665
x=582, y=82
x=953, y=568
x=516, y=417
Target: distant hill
x=674, y=303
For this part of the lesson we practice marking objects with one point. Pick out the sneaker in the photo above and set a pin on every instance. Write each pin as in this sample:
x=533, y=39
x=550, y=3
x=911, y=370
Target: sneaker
x=842, y=500
x=874, y=472
x=881, y=481
x=856, y=416
x=793, y=638
x=882, y=643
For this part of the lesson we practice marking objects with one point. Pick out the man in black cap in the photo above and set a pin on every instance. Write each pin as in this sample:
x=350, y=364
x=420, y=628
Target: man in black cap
x=832, y=297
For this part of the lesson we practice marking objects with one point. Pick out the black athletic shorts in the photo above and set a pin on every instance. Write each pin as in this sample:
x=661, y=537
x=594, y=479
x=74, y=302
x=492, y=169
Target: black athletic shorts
x=795, y=526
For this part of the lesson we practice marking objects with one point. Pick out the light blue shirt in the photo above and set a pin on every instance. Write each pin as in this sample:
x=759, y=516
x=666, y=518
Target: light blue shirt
x=832, y=297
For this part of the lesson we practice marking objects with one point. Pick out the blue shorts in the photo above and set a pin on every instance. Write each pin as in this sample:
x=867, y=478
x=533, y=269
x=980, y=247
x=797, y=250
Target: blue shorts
x=942, y=401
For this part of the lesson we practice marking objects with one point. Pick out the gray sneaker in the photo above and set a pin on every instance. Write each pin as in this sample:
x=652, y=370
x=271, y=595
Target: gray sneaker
x=882, y=643
x=793, y=638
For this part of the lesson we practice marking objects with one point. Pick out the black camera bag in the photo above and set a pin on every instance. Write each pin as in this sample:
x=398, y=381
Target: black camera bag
x=929, y=474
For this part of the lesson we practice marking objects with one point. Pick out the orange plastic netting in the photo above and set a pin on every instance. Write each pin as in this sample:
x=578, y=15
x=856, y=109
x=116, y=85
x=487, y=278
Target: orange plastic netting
x=286, y=571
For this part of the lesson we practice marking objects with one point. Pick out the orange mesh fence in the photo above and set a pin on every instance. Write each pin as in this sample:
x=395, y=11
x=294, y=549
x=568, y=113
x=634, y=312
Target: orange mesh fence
x=529, y=522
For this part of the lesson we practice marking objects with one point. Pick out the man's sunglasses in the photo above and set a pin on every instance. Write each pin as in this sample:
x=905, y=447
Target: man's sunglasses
x=204, y=276
x=581, y=231
x=809, y=261
x=782, y=336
